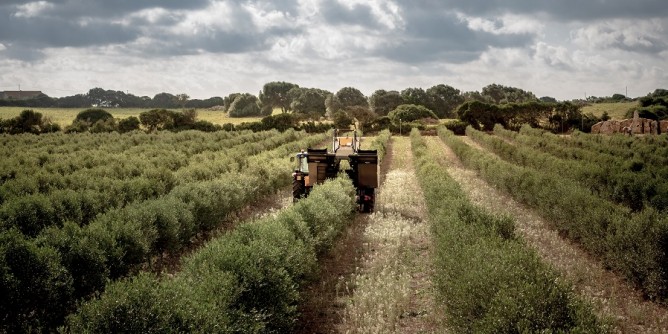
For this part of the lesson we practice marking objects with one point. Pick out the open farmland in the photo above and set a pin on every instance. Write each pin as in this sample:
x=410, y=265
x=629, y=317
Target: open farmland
x=65, y=116
x=490, y=233
x=616, y=110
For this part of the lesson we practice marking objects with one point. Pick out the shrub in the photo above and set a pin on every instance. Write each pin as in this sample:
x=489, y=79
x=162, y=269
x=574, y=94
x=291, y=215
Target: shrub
x=128, y=124
x=92, y=116
x=245, y=105
x=410, y=113
x=35, y=288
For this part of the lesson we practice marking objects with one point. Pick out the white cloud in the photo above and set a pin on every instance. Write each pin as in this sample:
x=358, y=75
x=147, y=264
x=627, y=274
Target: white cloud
x=642, y=36
x=504, y=24
x=32, y=9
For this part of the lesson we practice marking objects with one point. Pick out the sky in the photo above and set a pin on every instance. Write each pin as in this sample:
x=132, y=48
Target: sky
x=566, y=49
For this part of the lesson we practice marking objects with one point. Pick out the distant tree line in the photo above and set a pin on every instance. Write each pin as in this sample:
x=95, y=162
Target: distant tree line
x=101, y=98
x=653, y=106
x=412, y=107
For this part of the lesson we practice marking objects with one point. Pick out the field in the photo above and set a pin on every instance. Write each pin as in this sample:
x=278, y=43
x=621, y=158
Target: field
x=615, y=110
x=65, y=116
x=499, y=232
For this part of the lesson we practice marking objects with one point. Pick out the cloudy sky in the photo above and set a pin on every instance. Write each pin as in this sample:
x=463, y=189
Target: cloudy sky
x=205, y=48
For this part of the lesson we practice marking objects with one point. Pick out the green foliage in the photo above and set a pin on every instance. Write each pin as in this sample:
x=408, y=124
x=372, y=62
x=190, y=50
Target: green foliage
x=410, y=113
x=276, y=95
x=35, y=288
x=489, y=281
x=456, y=126
x=308, y=101
x=245, y=281
x=28, y=121
x=382, y=102
x=93, y=115
x=128, y=124
x=630, y=243
x=350, y=97
x=342, y=120
x=444, y=100
x=245, y=105
x=143, y=305
x=500, y=94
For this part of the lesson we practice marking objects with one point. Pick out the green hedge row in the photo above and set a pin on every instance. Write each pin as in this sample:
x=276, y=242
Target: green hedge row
x=246, y=281
x=122, y=240
x=617, y=182
x=488, y=279
x=651, y=149
x=631, y=244
x=380, y=143
x=80, y=201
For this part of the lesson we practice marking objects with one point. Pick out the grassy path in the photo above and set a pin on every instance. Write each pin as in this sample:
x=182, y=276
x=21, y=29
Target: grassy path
x=392, y=290
x=612, y=297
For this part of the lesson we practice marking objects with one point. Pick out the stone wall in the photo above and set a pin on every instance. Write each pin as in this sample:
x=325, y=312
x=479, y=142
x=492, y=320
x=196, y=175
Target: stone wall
x=636, y=125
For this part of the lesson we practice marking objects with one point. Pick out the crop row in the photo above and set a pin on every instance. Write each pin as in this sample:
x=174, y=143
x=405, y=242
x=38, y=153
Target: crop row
x=652, y=149
x=42, y=173
x=632, y=244
x=44, y=278
x=612, y=181
x=246, y=281
x=565, y=148
x=488, y=279
x=83, y=198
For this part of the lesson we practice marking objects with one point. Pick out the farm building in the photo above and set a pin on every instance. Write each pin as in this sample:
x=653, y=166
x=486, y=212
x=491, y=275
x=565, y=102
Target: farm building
x=19, y=94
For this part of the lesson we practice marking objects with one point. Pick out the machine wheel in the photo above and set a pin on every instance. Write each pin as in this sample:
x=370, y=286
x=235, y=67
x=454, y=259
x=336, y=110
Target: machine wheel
x=366, y=200
x=298, y=190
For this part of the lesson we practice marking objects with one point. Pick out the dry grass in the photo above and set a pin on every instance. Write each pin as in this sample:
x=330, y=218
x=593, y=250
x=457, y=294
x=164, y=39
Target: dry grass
x=65, y=116
x=391, y=290
x=615, y=110
x=612, y=297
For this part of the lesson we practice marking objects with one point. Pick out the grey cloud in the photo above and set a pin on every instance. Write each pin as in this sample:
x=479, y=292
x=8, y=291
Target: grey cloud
x=337, y=14
x=52, y=32
x=563, y=10
x=23, y=53
x=437, y=35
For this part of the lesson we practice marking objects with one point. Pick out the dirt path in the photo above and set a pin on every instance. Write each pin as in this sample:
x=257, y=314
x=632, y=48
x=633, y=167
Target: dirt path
x=611, y=296
x=324, y=300
x=392, y=290
x=378, y=278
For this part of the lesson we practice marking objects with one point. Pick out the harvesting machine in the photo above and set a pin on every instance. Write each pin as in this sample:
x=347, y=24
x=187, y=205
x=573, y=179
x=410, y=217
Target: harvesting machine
x=316, y=165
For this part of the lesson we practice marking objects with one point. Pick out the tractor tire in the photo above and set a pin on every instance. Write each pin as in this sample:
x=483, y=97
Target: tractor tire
x=298, y=190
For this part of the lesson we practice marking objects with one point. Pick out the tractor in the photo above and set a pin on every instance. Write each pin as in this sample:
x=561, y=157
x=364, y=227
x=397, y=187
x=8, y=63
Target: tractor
x=314, y=166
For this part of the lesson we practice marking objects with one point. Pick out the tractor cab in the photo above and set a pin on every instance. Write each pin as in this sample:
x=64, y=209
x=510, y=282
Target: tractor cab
x=316, y=165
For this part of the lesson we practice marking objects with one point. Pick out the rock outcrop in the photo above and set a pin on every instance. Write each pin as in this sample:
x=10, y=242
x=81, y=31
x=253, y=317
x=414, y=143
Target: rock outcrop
x=636, y=125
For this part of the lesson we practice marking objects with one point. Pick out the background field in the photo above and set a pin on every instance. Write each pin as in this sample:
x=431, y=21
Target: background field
x=616, y=110
x=65, y=116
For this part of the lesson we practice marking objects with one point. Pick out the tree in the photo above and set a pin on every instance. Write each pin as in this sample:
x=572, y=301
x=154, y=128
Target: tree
x=342, y=120
x=410, y=113
x=275, y=95
x=164, y=100
x=156, y=119
x=182, y=99
x=503, y=94
x=362, y=115
x=309, y=101
x=93, y=115
x=548, y=99
x=444, y=100
x=128, y=124
x=227, y=101
x=349, y=97
x=245, y=105
x=416, y=96
x=332, y=105
x=382, y=101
